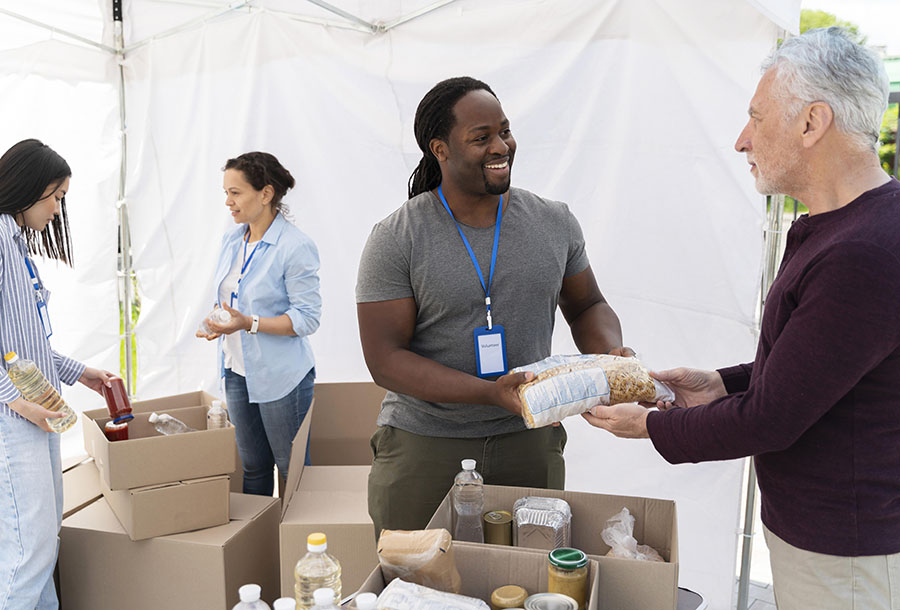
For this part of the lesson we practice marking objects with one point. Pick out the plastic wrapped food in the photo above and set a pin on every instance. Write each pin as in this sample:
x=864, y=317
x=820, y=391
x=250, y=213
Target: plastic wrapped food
x=542, y=523
x=424, y=557
x=618, y=535
x=570, y=385
x=400, y=595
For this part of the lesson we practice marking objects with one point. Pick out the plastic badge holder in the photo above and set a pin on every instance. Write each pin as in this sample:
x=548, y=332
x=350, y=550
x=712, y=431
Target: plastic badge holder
x=542, y=523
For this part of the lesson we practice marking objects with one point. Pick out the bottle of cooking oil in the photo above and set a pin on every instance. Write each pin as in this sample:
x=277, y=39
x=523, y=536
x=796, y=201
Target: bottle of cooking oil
x=27, y=377
x=316, y=570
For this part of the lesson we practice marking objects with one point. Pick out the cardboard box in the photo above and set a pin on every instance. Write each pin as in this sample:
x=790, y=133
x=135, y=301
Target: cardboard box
x=333, y=498
x=482, y=568
x=102, y=569
x=624, y=583
x=170, y=508
x=343, y=423
x=147, y=457
x=81, y=486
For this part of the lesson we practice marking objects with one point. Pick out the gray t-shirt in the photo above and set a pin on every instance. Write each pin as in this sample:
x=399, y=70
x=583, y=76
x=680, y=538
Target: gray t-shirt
x=417, y=252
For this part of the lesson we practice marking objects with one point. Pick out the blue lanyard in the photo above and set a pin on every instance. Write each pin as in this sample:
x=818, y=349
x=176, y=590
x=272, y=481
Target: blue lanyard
x=487, y=289
x=245, y=262
x=34, y=281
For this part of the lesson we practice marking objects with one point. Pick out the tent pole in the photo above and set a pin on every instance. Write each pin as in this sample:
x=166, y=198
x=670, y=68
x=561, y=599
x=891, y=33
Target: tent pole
x=774, y=247
x=415, y=14
x=125, y=268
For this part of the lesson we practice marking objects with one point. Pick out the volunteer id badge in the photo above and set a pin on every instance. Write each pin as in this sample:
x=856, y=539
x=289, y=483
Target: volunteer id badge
x=490, y=351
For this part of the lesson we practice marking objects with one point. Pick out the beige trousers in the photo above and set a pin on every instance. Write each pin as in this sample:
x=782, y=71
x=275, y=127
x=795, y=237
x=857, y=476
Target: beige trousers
x=804, y=580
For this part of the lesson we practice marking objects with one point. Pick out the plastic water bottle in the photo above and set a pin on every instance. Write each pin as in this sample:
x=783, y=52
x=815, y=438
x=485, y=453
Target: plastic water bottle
x=29, y=379
x=220, y=316
x=468, y=503
x=250, y=598
x=285, y=603
x=166, y=424
x=217, y=416
x=365, y=601
x=324, y=599
x=316, y=570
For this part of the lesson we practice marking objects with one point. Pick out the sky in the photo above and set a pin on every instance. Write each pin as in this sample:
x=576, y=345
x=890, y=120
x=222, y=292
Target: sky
x=877, y=19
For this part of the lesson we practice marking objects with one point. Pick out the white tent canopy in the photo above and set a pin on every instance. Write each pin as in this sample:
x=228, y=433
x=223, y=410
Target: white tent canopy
x=625, y=109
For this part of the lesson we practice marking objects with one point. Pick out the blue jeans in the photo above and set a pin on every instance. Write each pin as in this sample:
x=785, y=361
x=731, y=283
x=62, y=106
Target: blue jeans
x=30, y=514
x=266, y=430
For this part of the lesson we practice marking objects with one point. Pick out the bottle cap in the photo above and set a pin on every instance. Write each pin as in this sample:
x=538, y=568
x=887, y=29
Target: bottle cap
x=249, y=593
x=11, y=357
x=468, y=464
x=154, y=418
x=316, y=542
x=366, y=601
x=567, y=559
x=123, y=418
x=285, y=603
x=323, y=596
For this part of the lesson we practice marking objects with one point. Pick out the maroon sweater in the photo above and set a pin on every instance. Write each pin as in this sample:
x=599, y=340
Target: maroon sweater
x=820, y=405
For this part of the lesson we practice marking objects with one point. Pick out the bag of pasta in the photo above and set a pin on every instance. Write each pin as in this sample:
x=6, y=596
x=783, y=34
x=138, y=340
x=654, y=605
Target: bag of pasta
x=570, y=385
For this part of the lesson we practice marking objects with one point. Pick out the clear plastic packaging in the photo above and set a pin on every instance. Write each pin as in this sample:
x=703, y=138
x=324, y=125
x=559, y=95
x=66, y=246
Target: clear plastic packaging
x=571, y=385
x=250, y=599
x=542, y=523
x=30, y=381
x=468, y=504
x=220, y=316
x=410, y=596
x=216, y=416
x=167, y=425
x=618, y=534
x=316, y=570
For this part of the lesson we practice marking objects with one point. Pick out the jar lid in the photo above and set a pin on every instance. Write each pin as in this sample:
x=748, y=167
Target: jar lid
x=508, y=596
x=568, y=559
x=123, y=418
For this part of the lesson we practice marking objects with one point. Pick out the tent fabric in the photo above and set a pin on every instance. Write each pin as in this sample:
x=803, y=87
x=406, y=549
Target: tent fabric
x=626, y=110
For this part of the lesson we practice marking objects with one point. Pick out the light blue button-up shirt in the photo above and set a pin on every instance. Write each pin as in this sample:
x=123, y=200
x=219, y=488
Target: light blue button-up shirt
x=21, y=330
x=281, y=278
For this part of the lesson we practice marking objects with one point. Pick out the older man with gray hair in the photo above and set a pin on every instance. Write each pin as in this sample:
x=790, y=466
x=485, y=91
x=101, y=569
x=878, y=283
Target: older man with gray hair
x=820, y=405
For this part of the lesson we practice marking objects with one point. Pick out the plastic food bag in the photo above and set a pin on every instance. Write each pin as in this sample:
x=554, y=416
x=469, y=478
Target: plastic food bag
x=400, y=595
x=570, y=385
x=423, y=557
x=618, y=535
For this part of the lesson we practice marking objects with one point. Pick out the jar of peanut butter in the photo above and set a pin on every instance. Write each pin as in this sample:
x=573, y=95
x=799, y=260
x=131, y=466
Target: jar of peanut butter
x=567, y=574
x=508, y=596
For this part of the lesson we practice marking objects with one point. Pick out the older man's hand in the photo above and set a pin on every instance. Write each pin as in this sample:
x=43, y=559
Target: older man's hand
x=625, y=420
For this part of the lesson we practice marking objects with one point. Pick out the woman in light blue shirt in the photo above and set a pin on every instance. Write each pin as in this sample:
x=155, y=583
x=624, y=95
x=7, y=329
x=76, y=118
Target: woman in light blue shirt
x=34, y=180
x=267, y=279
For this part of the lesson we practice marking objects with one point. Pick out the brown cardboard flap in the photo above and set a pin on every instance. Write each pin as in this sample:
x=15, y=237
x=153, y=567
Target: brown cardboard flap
x=344, y=422
x=298, y=458
x=81, y=486
x=73, y=461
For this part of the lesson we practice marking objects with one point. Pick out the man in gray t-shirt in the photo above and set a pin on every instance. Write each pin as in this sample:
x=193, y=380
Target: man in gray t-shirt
x=422, y=305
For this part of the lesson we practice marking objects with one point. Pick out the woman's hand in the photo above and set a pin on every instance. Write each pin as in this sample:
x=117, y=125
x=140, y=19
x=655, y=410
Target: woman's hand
x=237, y=322
x=34, y=412
x=95, y=379
x=692, y=387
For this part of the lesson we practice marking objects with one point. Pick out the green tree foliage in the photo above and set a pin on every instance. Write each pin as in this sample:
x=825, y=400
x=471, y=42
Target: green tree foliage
x=888, y=148
x=811, y=19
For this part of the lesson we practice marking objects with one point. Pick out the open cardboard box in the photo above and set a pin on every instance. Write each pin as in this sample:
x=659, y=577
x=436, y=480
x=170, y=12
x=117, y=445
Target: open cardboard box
x=624, y=583
x=149, y=458
x=102, y=569
x=170, y=508
x=482, y=568
x=332, y=498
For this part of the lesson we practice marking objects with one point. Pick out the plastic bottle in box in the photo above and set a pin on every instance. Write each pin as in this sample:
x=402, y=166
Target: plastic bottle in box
x=250, y=598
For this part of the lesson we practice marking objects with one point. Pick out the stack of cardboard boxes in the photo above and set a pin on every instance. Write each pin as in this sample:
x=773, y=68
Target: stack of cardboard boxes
x=101, y=566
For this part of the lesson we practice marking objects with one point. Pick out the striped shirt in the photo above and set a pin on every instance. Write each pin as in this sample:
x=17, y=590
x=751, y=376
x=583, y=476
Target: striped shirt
x=21, y=330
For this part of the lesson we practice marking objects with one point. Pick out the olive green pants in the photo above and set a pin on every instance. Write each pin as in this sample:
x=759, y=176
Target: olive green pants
x=411, y=474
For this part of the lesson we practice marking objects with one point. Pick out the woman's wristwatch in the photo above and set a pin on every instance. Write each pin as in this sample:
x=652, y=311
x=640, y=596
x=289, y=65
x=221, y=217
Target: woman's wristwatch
x=254, y=326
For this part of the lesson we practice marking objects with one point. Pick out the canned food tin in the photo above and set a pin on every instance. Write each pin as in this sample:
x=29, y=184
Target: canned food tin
x=550, y=601
x=498, y=527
